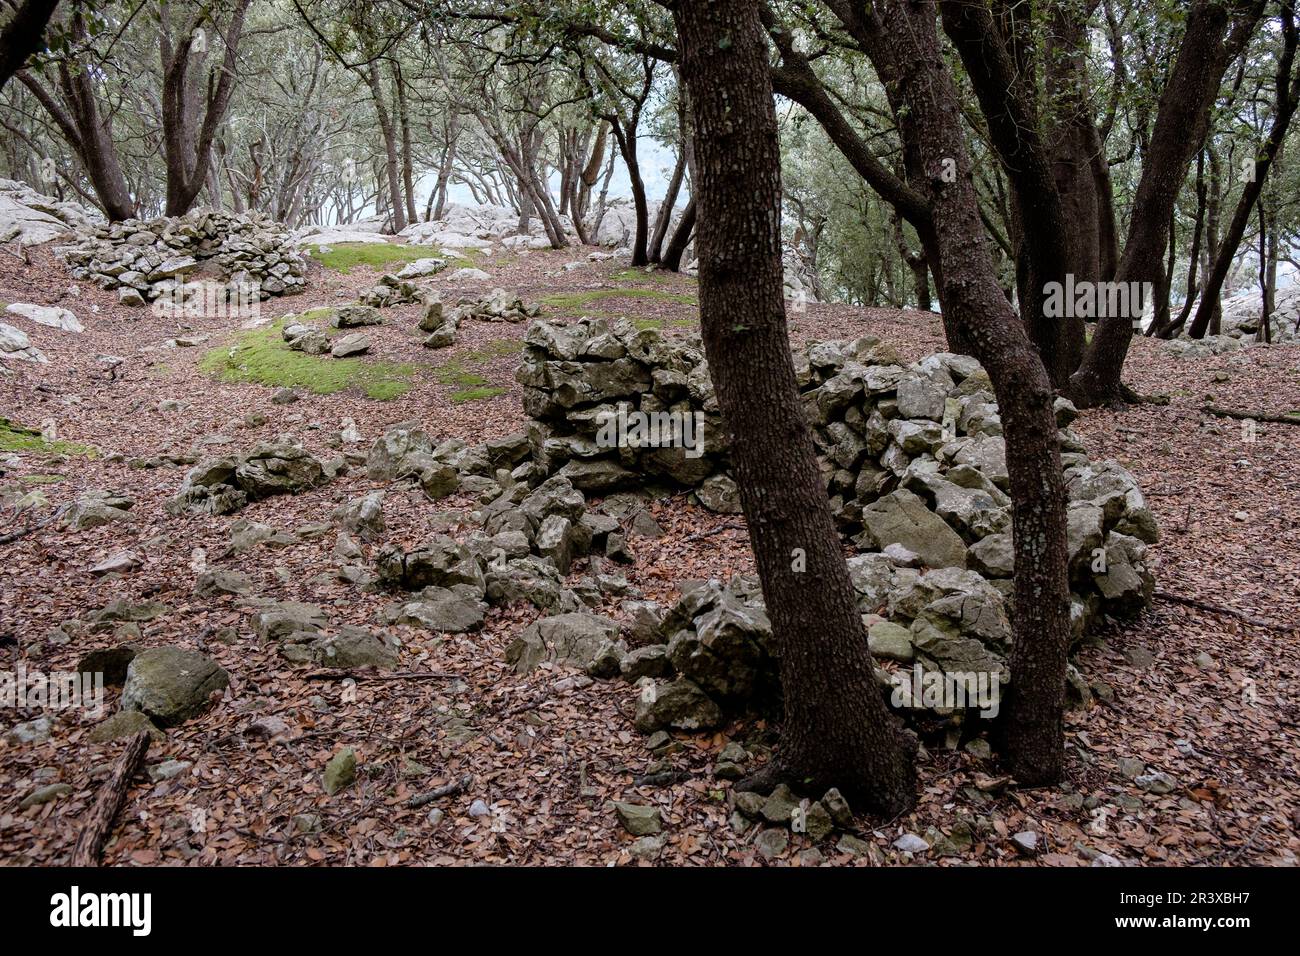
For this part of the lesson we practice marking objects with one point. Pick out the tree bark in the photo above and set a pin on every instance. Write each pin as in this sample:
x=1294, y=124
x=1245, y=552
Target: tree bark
x=23, y=35
x=672, y=259
x=94, y=834
x=837, y=730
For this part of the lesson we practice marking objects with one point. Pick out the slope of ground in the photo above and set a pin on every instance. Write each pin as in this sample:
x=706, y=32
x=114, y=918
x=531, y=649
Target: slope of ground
x=1203, y=696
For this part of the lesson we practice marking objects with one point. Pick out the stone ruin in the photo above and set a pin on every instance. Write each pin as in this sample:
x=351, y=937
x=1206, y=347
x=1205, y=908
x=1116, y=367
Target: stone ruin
x=148, y=259
x=914, y=462
x=915, y=467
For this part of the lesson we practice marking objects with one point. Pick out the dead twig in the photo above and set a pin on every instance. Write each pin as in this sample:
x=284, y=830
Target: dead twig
x=404, y=675
x=90, y=844
x=1220, y=609
x=437, y=793
x=1288, y=419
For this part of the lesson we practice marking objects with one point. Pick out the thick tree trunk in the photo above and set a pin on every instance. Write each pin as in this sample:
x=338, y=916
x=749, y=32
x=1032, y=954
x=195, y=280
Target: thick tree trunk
x=23, y=35
x=837, y=730
x=904, y=45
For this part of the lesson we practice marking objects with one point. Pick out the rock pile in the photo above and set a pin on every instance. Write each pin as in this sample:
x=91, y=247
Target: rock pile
x=146, y=259
x=914, y=462
x=226, y=484
x=392, y=290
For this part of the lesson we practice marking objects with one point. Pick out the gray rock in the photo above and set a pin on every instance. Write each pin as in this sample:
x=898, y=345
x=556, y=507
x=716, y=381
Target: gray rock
x=638, y=820
x=170, y=685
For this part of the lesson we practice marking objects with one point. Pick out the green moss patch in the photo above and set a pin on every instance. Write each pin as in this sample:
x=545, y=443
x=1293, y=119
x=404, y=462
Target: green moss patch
x=262, y=357
x=373, y=255
x=459, y=370
x=16, y=438
x=477, y=394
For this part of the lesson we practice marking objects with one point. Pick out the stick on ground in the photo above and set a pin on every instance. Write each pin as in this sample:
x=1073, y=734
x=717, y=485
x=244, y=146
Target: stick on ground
x=90, y=844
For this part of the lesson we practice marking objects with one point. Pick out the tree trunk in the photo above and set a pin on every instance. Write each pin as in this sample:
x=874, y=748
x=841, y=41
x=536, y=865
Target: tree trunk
x=672, y=259
x=23, y=35
x=665, y=216
x=404, y=121
x=837, y=730
x=391, y=163
x=1208, y=47
x=907, y=52
x=1287, y=95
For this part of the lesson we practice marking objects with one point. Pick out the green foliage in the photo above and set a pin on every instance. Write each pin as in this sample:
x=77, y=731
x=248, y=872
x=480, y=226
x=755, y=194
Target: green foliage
x=262, y=357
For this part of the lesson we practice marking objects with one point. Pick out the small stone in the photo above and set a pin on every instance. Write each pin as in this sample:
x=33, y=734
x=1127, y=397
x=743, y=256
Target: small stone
x=838, y=808
x=638, y=820
x=306, y=823
x=1157, y=783
x=1026, y=841
x=856, y=846
x=779, y=807
x=1139, y=657
x=435, y=816
x=1204, y=661
x=32, y=731
x=168, y=769
x=341, y=771
x=123, y=724
x=771, y=843
x=479, y=808
x=1131, y=767
x=911, y=843
x=648, y=847
x=818, y=823
x=45, y=795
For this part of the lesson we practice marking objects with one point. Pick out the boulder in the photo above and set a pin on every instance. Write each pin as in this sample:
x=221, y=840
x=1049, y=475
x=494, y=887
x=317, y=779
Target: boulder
x=169, y=685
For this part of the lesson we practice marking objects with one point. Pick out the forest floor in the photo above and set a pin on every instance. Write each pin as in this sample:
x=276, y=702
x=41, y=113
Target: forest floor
x=1204, y=696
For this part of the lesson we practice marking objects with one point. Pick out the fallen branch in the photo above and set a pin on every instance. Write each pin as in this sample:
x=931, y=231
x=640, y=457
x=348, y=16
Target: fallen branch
x=729, y=526
x=1220, y=609
x=437, y=793
x=90, y=844
x=405, y=675
x=1288, y=419
x=32, y=526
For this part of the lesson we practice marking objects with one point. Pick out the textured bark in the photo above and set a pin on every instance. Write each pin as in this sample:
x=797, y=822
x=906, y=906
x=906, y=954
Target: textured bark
x=187, y=137
x=901, y=37
x=112, y=795
x=1048, y=248
x=89, y=135
x=837, y=730
x=23, y=35
x=672, y=258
